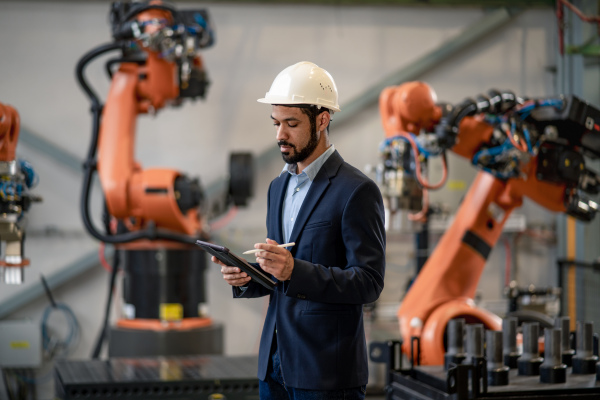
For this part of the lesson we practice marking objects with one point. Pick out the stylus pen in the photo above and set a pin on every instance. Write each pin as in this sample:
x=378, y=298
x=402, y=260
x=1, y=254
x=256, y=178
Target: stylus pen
x=279, y=245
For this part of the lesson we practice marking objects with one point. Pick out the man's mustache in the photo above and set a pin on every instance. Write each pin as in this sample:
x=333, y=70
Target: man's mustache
x=285, y=143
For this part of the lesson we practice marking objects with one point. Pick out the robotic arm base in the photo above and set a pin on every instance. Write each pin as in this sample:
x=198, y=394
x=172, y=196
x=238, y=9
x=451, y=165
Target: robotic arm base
x=433, y=345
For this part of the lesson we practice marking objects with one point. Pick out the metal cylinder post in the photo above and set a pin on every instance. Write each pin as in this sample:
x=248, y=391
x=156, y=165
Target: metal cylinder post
x=510, y=351
x=530, y=361
x=497, y=372
x=552, y=369
x=456, y=349
x=567, y=353
x=474, y=343
x=584, y=360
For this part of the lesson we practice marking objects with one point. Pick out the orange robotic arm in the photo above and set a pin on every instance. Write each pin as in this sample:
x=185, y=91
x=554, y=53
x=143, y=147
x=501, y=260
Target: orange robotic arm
x=513, y=168
x=16, y=177
x=159, y=67
x=9, y=132
x=132, y=193
x=152, y=216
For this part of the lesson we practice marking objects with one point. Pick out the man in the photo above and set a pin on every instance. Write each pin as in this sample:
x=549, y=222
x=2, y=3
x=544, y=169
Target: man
x=313, y=341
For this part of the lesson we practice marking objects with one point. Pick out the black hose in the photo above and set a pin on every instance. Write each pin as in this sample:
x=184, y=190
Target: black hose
x=111, y=62
x=447, y=129
x=498, y=102
x=465, y=109
x=106, y=218
x=111, y=289
x=85, y=60
x=96, y=104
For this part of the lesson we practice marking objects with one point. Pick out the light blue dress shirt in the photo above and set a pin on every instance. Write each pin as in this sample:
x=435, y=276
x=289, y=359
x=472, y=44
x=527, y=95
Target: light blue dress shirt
x=297, y=189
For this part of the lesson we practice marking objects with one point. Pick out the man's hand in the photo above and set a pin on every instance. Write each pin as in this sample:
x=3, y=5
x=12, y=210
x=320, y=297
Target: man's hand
x=232, y=275
x=277, y=261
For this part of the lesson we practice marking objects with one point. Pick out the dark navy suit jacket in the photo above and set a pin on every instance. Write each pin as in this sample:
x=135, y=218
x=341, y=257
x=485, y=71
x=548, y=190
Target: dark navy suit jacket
x=339, y=264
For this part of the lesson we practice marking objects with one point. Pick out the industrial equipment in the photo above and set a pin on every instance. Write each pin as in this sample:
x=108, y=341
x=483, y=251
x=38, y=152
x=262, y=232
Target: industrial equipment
x=16, y=178
x=531, y=148
x=494, y=368
x=153, y=217
x=209, y=377
x=20, y=344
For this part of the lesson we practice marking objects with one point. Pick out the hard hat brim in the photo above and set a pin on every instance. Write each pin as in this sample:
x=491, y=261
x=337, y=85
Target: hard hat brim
x=290, y=102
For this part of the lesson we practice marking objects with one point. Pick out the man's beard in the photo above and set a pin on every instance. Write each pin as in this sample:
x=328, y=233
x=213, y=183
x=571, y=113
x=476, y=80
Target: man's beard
x=299, y=156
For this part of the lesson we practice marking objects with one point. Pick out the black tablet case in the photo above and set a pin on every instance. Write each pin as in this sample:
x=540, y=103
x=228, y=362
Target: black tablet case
x=229, y=258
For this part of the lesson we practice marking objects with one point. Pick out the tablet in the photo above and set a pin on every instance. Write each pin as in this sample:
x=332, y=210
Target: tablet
x=229, y=258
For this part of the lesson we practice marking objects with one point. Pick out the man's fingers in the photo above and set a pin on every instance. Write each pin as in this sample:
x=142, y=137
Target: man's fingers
x=237, y=281
x=229, y=270
x=270, y=248
x=232, y=273
x=217, y=261
x=234, y=276
x=240, y=275
x=268, y=255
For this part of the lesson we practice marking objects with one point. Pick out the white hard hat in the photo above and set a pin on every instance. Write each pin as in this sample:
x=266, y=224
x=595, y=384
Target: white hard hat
x=303, y=83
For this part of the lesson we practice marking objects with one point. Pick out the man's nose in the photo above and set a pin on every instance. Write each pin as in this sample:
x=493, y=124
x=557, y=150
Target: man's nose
x=282, y=133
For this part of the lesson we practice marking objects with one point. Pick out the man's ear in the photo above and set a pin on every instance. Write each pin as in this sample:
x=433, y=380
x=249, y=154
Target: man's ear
x=323, y=121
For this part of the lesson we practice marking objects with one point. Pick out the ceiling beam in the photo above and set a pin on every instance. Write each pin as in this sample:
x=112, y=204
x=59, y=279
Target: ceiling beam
x=415, y=3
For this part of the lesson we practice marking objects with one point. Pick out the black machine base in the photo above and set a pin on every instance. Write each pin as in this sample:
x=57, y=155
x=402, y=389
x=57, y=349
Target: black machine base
x=529, y=367
x=191, y=378
x=555, y=374
x=432, y=382
x=584, y=365
x=510, y=360
x=147, y=343
x=498, y=377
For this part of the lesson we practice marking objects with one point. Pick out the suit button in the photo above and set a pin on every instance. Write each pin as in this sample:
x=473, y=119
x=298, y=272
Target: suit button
x=301, y=296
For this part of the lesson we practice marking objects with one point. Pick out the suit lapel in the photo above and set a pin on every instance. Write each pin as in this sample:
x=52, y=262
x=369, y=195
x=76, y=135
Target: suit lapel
x=279, y=188
x=317, y=188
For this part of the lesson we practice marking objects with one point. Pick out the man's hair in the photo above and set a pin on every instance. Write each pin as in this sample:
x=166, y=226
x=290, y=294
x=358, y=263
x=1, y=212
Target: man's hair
x=313, y=112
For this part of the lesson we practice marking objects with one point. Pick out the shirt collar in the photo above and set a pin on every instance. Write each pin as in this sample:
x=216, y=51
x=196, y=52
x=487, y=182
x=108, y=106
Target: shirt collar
x=313, y=168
